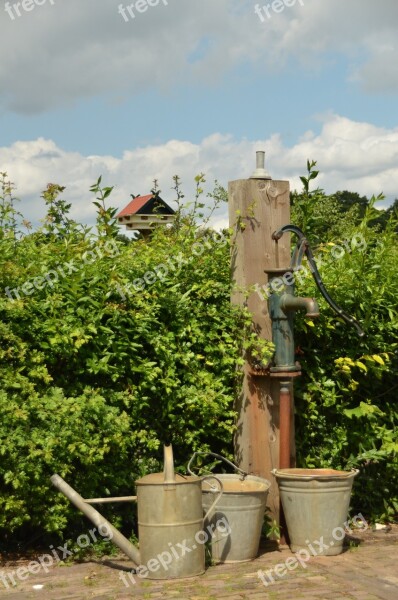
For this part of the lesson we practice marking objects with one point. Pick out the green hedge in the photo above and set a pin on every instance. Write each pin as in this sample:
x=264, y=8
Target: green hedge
x=114, y=348
x=110, y=359
x=347, y=413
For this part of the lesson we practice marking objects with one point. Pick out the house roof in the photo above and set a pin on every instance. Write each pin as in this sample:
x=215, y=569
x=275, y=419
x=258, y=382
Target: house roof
x=135, y=205
x=150, y=204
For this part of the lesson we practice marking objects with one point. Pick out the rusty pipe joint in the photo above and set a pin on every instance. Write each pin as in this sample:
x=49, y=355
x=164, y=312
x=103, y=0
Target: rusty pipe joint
x=288, y=302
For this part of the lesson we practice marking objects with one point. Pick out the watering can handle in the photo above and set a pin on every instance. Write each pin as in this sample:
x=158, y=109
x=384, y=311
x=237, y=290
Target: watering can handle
x=216, y=456
x=220, y=493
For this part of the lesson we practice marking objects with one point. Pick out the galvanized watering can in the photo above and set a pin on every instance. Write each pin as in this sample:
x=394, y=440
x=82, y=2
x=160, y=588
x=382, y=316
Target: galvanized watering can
x=170, y=521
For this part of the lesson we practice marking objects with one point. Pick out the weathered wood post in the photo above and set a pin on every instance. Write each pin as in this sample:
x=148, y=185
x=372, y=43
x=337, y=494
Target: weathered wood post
x=257, y=207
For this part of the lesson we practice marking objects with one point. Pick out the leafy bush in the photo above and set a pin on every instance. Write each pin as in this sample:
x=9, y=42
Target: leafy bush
x=347, y=398
x=110, y=347
x=118, y=349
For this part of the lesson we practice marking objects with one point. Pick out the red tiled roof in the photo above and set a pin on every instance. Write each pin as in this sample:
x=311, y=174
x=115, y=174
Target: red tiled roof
x=134, y=206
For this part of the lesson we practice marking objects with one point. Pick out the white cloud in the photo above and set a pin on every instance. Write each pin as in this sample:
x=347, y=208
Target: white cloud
x=351, y=155
x=60, y=53
x=75, y=49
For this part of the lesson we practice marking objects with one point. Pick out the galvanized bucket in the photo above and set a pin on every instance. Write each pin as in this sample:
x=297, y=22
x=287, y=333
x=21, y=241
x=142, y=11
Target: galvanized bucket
x=237, y=522
x=170, y=523
x=315, y=503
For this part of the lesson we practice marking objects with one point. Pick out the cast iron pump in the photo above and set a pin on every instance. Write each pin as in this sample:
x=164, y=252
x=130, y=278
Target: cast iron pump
x=283, y=303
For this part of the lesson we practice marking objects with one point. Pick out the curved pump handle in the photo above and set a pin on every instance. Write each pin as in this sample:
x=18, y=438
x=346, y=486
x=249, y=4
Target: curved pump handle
x=303, y=247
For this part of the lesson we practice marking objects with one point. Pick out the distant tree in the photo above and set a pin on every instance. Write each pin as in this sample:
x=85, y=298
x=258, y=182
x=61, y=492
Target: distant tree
x=391, y=211
x=124, y=239
x=348, y=199
x=323, y=217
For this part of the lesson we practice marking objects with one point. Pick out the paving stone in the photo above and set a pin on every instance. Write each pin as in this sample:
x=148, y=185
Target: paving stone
x=317, y=578
x=368, y=572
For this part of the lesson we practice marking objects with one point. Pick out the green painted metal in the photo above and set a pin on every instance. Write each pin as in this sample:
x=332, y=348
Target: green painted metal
x=303, y=248
x=282, y=304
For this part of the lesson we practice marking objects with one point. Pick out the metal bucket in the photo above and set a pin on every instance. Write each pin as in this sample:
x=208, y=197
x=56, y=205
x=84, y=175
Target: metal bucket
x=237, y=522
x=170, y=523
x=315, y=503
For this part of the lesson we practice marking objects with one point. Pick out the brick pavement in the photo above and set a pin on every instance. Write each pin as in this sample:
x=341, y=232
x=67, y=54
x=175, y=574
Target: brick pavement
x=366, y=572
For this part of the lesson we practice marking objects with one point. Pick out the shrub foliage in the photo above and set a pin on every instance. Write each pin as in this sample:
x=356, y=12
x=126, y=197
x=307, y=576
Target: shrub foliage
x=110, y=348
x=347, y=398
x=126, y=346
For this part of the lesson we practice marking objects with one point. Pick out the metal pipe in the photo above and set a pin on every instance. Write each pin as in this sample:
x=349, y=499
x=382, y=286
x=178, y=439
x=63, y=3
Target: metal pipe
x=260, y=172
x=285, y=409
x=110, y=500
x=284, y=425
x=101, y=523
x=290, y=302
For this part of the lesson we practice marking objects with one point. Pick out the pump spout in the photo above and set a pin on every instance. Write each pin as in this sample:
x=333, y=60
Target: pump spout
x=310, y=305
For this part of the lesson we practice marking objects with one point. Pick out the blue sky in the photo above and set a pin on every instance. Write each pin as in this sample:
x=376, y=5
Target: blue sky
x=197, y=85
x=240, y=104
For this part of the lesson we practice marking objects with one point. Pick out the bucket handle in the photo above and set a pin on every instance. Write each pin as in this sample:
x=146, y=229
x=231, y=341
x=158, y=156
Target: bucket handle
x=243, y=473
x=352, y=473
x=220, y=493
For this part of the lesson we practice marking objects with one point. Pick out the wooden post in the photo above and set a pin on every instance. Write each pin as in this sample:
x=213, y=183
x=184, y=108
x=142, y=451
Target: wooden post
x=257, y=207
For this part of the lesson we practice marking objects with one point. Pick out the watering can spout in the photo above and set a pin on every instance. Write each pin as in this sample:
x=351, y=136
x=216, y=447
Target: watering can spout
x=168, y=469
x=105, y=528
